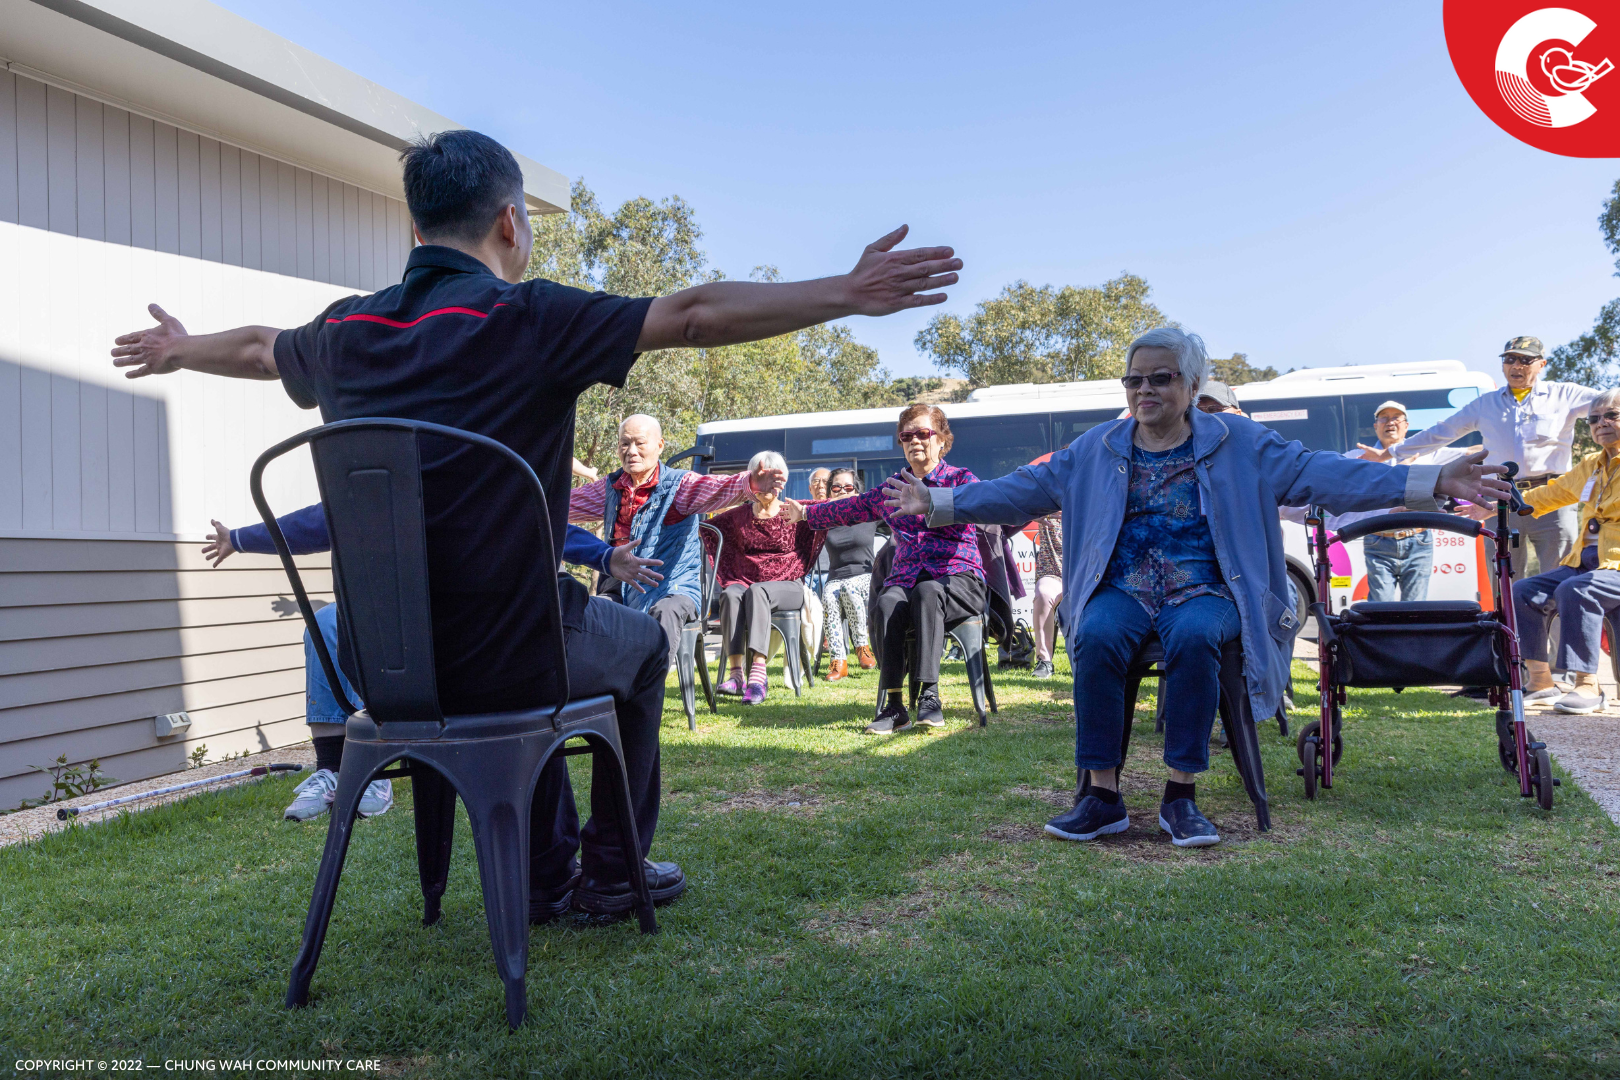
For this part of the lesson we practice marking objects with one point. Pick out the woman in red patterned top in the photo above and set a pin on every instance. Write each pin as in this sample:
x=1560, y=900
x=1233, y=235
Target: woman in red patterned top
x=764, y=556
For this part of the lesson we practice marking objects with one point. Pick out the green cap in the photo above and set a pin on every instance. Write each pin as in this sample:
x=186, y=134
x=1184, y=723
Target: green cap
x=1524, y=346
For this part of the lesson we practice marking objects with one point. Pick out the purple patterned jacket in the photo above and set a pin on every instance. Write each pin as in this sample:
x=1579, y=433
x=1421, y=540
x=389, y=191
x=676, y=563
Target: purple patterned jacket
x=952, y=549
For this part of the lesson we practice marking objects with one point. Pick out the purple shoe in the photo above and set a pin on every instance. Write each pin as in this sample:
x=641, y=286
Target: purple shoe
x=754, y=694
x=732, y=687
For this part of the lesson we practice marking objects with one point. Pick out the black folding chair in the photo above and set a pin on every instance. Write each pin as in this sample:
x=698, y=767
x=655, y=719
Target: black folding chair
x=370, y=477
x=692, y=657
x=969, y=634
x=1237, y=718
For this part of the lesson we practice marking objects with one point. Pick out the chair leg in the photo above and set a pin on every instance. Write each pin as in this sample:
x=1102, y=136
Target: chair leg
x=500, y=827
x=360, y=765
x=1133, y=686
x=685, y=662
x=790, y=652
x=608, y=753
x=1158, y=708
x=1238, y=720
x=971, y=640
x=701, y=658
x=434, y=799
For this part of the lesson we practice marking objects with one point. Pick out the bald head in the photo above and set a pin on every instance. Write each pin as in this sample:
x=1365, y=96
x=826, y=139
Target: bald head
x=641, y=444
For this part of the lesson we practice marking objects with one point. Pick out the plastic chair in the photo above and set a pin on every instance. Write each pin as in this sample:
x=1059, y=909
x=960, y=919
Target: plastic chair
x=371, y=486
x=695, y=639
x=1237, y=718
x=798, y=666
x=969, y=635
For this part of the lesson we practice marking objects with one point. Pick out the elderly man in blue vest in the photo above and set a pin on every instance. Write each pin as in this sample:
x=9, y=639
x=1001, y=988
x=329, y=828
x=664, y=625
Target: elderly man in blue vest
x=656, y=508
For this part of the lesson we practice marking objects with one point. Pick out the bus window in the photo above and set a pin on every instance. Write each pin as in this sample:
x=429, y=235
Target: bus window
x=1423, y=407
x=840, y=443
x=798, y=485
x=1317, y=422
x=737, y=447
x=876, y=470
x=993, y=446
x=1067, y=427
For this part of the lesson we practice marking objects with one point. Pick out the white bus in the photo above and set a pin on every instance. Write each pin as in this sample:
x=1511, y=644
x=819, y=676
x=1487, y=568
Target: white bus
x=1000, y=428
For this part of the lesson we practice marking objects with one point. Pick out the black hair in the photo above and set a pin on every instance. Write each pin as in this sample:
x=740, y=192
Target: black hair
x=456, y=182
x=854, y=477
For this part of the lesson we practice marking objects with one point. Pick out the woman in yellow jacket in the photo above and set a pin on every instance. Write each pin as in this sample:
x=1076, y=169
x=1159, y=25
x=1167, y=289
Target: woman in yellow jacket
x=1585, y=588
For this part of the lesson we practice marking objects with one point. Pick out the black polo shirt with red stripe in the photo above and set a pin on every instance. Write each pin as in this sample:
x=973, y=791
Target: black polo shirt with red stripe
x=455, y=345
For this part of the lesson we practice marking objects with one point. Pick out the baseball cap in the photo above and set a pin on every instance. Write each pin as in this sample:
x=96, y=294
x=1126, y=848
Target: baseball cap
x=1216, y=390
x=1524, y=346
x=1391, y=404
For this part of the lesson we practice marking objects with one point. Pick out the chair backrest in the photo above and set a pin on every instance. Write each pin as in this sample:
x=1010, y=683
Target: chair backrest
x=711, y=564
x=370, y=476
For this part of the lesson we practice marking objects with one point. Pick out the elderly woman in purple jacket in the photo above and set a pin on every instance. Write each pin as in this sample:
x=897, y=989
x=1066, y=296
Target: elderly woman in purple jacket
x=936, y=577
x=1170, y=527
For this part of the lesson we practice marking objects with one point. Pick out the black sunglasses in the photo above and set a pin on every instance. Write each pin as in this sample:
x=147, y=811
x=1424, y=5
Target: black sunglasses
x=1520, y=361
x=1157, y=379
x=1611, y=416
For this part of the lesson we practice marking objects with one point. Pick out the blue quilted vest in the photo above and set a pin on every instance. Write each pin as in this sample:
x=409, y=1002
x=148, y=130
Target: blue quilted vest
x=678, y=545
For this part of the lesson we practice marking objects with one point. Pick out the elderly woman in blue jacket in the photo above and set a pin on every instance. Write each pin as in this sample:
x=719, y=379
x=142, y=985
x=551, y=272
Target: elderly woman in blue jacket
x=1170, y=526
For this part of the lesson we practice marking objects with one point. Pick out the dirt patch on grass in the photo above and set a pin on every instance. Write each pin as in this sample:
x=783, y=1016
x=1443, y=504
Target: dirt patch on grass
x=903, y=916
x=1014, y=833
x=1062, y=798
x=793, y=800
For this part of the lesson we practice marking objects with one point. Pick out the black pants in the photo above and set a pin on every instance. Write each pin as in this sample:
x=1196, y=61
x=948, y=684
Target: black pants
x=927, y=606
x=745, y=613
x=673, y=612
x=623, y=653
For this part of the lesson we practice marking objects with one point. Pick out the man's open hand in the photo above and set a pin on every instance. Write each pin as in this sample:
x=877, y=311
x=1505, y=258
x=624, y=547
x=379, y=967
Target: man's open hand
x=767, y=481
x=150, y=352
x=1374, y=453
x=885, y=281
x=1466, y=478
x=218, y=548
x=905, y=494
x=630, y=568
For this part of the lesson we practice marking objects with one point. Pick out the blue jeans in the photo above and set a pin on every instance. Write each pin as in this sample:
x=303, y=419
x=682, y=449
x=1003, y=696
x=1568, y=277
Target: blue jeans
x=320, y=705
x=1581, y=599
x=1407, y=563
x=1111, y=630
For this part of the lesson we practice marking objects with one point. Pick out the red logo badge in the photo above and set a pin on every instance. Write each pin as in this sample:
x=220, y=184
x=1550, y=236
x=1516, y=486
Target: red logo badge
x=1543, y=74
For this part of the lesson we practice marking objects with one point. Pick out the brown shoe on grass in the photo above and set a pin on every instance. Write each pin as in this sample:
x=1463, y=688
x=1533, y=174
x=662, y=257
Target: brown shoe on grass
x=864, y=655
x=838, y=669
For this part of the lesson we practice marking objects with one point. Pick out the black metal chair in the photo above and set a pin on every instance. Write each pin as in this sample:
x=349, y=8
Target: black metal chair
x=369, y=472
x=969, y=635
x=798, y=665
x=695, y=641
x=1237, y=718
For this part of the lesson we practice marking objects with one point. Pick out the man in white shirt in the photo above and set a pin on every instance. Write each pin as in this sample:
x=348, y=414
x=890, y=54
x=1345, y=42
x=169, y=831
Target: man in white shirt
x=1529, y=421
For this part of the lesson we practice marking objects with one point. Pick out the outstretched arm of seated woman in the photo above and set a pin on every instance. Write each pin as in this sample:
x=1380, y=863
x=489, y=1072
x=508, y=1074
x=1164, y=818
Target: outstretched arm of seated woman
x=1031, y=491
x=1340, y=484
x=866, y=506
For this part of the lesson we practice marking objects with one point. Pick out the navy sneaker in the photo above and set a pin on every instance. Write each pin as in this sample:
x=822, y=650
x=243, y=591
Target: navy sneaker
x=1186, y=826
x=1090, y=819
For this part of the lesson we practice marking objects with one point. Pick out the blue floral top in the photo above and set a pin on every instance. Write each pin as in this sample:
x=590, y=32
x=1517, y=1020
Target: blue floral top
x=1164, y=554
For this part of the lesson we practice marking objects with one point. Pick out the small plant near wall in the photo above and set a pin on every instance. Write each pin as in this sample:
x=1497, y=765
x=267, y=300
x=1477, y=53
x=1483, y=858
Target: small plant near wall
x=69, y=781
x=199, y=757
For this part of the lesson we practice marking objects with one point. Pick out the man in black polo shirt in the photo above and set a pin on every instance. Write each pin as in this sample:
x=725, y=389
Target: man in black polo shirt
x=464, y=341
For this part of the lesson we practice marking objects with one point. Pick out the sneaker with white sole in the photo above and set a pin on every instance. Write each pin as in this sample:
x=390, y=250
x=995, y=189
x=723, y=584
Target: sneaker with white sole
x=314, y=796
x=1579, y=703
x=1547, y=696
x=378, y=799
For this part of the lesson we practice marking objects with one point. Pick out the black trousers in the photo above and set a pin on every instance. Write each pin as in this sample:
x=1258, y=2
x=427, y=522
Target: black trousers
x=623, y=653
x=927, y=606
x=745, y=613
x=674, y=612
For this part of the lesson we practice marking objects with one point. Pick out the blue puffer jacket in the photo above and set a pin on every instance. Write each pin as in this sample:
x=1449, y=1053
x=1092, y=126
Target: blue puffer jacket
x=1245, y=472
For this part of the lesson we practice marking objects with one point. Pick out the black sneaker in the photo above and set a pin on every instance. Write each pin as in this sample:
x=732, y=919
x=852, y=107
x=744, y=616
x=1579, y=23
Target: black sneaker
x=1043, y=669
x=1186, y=826
x=1090, y=819
x=546, y=904
x=929, y=710
x=893, y=718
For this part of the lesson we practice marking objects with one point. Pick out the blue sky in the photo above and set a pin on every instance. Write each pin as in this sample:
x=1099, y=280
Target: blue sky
x=1296, y=182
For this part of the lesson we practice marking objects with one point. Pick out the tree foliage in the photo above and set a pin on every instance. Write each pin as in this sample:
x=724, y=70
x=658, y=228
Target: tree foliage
x=1037, y=334
x=648, y=248
x=1236, y=370
x=1591, y=359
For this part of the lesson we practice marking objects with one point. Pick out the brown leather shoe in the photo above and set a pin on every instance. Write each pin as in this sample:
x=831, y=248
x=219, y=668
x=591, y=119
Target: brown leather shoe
x=838, y=669
x=864, y=655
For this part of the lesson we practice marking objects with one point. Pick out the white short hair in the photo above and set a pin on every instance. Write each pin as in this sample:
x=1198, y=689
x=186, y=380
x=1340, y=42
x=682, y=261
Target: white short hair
x=1609, y=399
x=1188, y=350
x=766, y=459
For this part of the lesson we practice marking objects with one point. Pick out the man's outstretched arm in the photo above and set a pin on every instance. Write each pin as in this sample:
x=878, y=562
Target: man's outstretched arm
x=248, y=352
x=728, y=312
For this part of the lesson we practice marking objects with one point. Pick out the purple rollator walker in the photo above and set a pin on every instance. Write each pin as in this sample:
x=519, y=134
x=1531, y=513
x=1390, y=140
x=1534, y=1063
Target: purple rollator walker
x=1424, y=643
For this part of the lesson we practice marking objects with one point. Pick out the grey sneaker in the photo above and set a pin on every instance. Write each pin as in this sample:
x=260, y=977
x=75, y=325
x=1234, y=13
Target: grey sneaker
x=314, y=796
x=929, y=710
x=1578, y=703
x=378, y=799
x=1552, y=693
x=1043, y=669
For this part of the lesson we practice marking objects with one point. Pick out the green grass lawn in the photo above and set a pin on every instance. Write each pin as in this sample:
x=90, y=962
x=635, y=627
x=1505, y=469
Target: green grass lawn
x=873, y=907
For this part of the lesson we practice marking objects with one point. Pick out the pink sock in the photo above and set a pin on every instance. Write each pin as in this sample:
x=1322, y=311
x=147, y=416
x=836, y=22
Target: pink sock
x=736, y=671
x=756, y=671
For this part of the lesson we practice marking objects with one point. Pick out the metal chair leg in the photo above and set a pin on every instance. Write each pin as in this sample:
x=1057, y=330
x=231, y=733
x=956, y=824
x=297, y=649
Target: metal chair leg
x=434, y=802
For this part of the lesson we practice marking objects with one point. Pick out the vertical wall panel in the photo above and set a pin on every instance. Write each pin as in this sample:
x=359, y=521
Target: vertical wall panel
x=213, y=245
x=61, y=148
x=230, y=204
x=351, y=237
x=89, y=171
x=379, y=242
x=142, y=183
x=8, y=146
x=396, y=263
x=252, y=214
x=270, y=223
x=368, y=247
x=145, y=423
x=287, y=208
x=320, y=240
x=33, y=191
x=11, y=515
x=304, y=211
x=189, y=194
x=115, y=160
x=166, y=170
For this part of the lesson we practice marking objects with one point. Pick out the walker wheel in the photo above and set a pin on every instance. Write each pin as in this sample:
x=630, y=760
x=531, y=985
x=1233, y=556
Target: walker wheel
x=1313, y=730
x=1310, y=767
x=1541, y=778
x=1510, y=760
